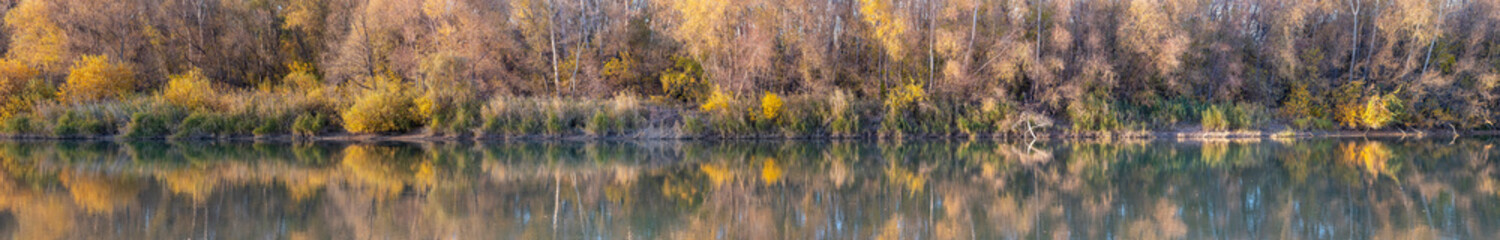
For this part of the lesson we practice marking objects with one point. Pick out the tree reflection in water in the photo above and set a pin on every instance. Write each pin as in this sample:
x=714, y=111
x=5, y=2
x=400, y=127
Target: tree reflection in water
x=1386, y=189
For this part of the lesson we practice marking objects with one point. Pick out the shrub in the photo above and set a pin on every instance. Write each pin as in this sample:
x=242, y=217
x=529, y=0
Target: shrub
x=200, y=124
x=20, y=124
x=685, y=83
x=1092, y=113
x=902, y=104
x=191, y=90
x=599, y=124
x=73, y=124
x=148, y=124
x=770, y=106
x=555, y=123
x=620, y=70
x=904, y=98
x=95, y=78
x=718, y=101
x=1213, y=119
x=24, y=96
x=692, y=125
x=14, y=77
x=1246, y=116
x=985, y=120
x=626, y=112
x=388, y=108
x=840, y=116
x=1349, y=105
x=267, y=127
x=308, y=124
x=801, y=116
x=1377, y=111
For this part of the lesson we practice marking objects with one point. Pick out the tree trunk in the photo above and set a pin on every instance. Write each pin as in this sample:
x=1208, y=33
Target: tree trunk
x=1038, y=46
x=1433, y=43
x=552, y=39
x=1354, y=52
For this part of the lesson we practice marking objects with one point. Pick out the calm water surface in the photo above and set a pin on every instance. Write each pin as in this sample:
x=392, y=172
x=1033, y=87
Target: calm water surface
x=1306, y=189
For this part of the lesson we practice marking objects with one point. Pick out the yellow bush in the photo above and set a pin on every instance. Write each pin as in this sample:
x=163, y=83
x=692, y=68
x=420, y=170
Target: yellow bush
x=191, y=90
x=387, y=108
x=1348, y=107
x=1299, y=103
x=905, y=97
x=13, y=75
x=427, y=105
x=15, y=79
x=770, y=106
x=716, y=101
x=301, y=81
x=95, y=78
x=686, y=82
x=1377, y=112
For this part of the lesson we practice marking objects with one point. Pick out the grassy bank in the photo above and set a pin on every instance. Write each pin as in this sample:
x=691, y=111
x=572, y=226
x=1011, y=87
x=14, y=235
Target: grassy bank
x=906, y=113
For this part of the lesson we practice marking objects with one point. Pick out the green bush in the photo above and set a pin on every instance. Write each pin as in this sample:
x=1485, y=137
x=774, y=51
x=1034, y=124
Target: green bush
x=692, y=126
x=19, y=124
x=308, y=124
x=840, y=116
x=1092, y=113
x=1246, y=116
x=1213, y=119
x=268, y=127
x=800, y=118
x=74, y=124
x=148, y=125
x=985, y=120
x=600, y=124
x=198, y=125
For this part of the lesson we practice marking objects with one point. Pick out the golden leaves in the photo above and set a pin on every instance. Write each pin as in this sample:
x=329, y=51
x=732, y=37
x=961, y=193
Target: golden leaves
x=36, y=39
x=191, y=90
x=702, y=23
x=95, y=77
x=889, y=27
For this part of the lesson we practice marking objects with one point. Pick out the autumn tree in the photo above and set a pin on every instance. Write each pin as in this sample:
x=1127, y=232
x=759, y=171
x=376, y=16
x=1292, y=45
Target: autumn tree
x=36, y=38
x=95, y=78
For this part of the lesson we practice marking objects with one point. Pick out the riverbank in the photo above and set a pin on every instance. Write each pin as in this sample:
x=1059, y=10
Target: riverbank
x=261, y=115
x=1180, y=136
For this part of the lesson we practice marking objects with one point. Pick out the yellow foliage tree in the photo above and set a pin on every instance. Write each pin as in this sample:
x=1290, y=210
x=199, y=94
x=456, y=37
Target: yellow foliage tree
x=14, y=79
x=36, y=39
x=702, y=24
x=191, y=90
x=95, y=78
x=889, y=27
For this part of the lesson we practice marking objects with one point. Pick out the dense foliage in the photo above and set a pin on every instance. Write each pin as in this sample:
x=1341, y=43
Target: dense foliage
x=838, y=68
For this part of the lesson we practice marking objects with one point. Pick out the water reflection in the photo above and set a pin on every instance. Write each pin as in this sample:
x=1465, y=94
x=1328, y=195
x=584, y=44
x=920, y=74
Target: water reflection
x=1392, y=189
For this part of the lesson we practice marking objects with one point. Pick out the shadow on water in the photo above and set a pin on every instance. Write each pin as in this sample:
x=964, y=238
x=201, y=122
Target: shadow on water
x=1365, y=189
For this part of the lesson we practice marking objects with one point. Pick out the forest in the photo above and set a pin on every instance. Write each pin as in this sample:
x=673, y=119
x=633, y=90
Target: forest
x=743, y=68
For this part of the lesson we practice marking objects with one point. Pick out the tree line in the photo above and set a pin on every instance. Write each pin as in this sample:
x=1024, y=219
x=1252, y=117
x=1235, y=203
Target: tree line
x=1098, y=65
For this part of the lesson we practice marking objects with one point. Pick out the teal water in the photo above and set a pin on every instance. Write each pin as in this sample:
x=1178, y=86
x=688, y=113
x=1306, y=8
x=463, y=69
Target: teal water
x=1304, y=189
